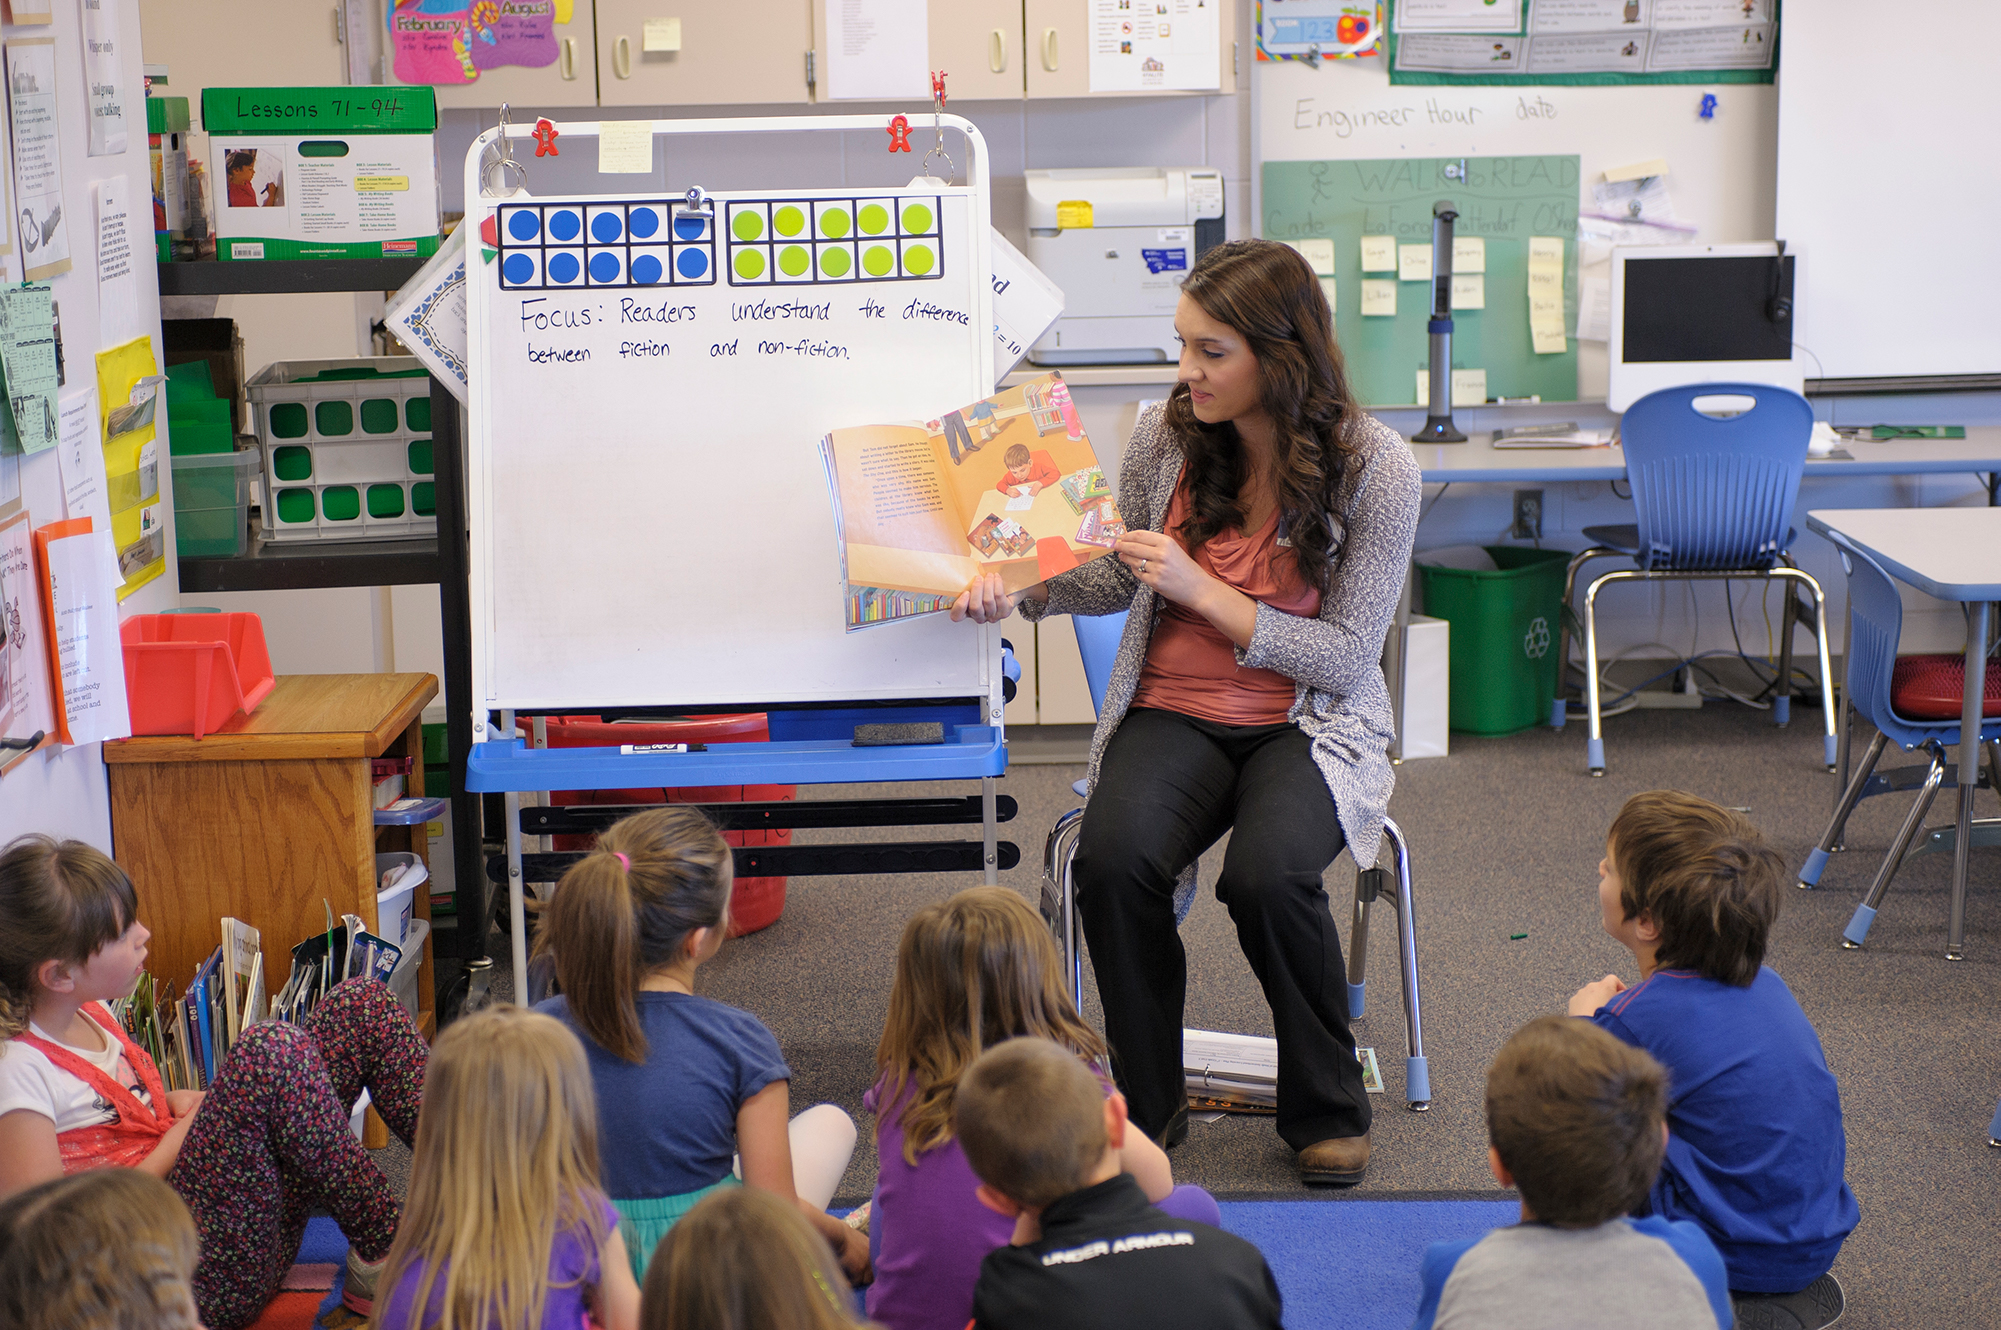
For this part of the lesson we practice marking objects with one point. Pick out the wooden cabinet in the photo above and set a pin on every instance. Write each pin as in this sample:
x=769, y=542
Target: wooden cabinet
x=731, y=51
x=571, y=82
x=1057, y=38
x=978, y=44
x=269, y=819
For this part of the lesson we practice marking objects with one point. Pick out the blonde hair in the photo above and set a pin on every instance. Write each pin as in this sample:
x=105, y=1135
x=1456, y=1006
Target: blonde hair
x=506, y=1158
x=1031, y=1119
x=742, y=1259
x=971, y=972
x=63, y=901
x=110, y=1249
x=624, y=910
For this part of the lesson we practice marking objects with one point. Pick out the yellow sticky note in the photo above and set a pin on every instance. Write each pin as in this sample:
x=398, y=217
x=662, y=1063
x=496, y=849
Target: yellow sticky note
x=1469, y=292
x=1469, y=387
x=1469, y=254
x=1379, y=253
x=625, y=147
x=564, y=8
x=1318, y=253
x=660, y=34
x=1327, y=286
x=1545, y=249
x=1549, y=342
x=1379, y=296
x=1073, y=213
x=1545, y=280
x=1545, y=313
x=1414, y=263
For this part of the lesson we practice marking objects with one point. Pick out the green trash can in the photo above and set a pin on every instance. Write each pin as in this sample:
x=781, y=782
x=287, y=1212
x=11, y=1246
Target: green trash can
x=1505, y=623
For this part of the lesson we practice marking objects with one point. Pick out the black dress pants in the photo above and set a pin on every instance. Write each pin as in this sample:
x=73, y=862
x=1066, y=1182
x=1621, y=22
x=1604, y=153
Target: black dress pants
x=1168, y=788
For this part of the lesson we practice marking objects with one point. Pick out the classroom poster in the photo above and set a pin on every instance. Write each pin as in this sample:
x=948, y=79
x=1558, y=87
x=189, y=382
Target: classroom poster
x=128, y=392
x=1155, y=45
x=117, y=278
x=38, y=178
x=81, y=572
x=102, y=77
x=28, y=355
x=26, y=699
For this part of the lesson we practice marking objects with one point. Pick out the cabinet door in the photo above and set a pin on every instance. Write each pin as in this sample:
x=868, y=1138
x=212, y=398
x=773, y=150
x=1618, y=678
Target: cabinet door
x=732, y=51
x=978, y=45
x=1058, y=41
x=1063, y=694
x=570, y=82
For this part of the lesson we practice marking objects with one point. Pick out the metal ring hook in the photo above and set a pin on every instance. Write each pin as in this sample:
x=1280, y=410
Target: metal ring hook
x=502, y=150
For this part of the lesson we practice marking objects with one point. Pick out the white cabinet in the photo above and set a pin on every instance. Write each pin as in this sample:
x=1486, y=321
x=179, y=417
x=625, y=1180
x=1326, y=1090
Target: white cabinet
x=732, y=51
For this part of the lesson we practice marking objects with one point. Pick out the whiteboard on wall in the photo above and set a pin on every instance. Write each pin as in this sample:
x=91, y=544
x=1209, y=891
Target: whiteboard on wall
x=650, y=519
x=1873, y=134
x=1720, y=170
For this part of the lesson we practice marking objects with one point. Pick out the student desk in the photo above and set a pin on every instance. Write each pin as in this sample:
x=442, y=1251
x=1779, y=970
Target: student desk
x=1953, y=554
x=267, y=817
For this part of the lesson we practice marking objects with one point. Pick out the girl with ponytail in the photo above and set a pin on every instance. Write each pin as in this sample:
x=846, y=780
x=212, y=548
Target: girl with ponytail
x=683, y=1082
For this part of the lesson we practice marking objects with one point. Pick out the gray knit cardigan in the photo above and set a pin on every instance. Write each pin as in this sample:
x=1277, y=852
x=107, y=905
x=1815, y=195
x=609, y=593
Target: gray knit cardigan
x=1342, y=702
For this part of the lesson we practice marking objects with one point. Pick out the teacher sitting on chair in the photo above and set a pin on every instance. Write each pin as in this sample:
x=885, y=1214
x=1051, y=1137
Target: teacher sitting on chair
x=1269, y=533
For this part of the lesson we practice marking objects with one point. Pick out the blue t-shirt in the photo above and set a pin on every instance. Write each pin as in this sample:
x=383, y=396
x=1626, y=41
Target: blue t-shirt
x=1639, y=1274
x=667, y=1126
x=1755, y=1151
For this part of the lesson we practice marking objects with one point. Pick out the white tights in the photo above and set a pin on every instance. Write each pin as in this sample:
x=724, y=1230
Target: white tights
x=823, y=1140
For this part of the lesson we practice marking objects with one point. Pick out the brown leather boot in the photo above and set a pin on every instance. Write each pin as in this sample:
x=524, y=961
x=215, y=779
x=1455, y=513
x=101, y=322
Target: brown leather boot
x=1338, y=1162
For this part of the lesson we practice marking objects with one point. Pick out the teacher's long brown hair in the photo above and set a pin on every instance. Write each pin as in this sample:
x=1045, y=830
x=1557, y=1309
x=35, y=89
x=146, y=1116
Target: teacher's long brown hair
x=1268, y=293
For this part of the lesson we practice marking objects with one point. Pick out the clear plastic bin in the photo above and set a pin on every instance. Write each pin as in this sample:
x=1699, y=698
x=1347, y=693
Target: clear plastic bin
x=211, y=503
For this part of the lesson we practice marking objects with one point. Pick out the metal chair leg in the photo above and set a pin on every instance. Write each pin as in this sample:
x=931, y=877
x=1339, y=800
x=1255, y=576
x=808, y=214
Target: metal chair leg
x=1782, y=696
x=1830, y=841
x=1059, y=898
x=1559, y=709
x=1368, y=886
x=1827, y=700
x=1857, y=932
x=1417, y=1072
x=1594, y=744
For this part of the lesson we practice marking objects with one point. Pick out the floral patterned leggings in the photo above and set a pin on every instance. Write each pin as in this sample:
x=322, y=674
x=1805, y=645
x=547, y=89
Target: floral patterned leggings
x=272, y=1141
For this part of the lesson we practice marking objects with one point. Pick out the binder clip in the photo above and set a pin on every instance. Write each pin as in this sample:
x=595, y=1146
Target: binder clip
x=499, y=161
x=697, y=208
x=937, y=149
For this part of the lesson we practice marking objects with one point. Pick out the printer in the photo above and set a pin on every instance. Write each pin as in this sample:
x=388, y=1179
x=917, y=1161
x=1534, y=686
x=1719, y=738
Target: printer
x=1119, y=241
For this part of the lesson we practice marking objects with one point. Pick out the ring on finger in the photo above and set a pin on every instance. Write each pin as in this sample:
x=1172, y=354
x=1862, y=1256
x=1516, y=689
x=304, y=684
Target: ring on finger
x=1142, y=565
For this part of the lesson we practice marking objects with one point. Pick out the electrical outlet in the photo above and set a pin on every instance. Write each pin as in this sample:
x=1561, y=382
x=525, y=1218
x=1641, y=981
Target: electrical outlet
x=1528, y=515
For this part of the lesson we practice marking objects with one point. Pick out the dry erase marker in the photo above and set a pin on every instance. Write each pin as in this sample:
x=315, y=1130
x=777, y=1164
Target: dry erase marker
x=639, y=750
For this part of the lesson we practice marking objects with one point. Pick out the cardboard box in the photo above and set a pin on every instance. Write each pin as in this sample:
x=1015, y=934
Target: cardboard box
x=1425, y=726
x=323, y=173
x=167, y=144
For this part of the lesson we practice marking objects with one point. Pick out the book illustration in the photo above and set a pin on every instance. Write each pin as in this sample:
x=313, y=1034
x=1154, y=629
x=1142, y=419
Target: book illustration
x=996, y=536
x=1102, y=524
x=1085, y=487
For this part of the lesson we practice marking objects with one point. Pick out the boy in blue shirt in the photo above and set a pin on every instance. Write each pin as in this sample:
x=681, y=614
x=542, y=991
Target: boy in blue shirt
x=1576, y=1121
x=1755, y=1145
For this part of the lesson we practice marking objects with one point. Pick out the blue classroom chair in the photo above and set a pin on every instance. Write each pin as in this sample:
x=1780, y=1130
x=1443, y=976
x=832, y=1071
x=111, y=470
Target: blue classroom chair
x=1714, y=497
x=1098, y=643
x=1887, y=690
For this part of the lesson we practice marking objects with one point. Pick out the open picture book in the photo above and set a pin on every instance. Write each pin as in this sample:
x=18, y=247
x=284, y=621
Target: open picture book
x=1008, y=485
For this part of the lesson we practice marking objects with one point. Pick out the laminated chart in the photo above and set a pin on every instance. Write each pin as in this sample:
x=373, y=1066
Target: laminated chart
x=809, y=241
x=569, y=246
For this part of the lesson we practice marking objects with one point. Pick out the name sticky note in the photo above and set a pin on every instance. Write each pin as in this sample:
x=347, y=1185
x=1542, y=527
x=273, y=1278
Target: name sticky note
x=1318, y=253
x=1469, y=387
x=625, y=147
x=1327, y=286
x=1469, y=254
x=1469, y=292
x=1413, y=263
x=1379, y=297
x=660, y=34
x=1379, y=253
x=1545, y=249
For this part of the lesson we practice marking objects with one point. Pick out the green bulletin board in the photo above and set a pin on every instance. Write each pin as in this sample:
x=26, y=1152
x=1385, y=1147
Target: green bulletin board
x=1502, y=200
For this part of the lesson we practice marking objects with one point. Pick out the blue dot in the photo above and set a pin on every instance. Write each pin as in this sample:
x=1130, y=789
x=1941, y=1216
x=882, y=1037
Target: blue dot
x=646, y=270
x=518, y=269
x=563, y=267
x=604, y=266
x=606, y=227
x=692, y=262
x=643, y=222
x=689, y=228
x=523, y=224
x=564, y=225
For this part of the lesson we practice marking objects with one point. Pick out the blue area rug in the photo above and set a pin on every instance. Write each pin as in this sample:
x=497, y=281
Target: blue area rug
x=1353, y=1264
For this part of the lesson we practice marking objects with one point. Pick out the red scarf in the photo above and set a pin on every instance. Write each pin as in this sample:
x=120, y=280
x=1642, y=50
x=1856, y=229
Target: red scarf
x=138, y=1129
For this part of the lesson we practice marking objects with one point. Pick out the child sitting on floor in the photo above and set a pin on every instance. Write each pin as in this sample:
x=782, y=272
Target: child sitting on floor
x=111, y=1247
x=1576, y=1121
x=1755, y=1150
x=1088, y=1252
x=971, y=972
x=744, y=1260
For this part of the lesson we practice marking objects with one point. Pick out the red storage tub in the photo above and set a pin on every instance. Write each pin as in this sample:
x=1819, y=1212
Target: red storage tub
x=755, y=902
x=189, y=673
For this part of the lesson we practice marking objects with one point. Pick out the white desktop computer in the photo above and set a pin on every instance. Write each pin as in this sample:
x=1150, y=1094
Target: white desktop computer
x=1685, y=314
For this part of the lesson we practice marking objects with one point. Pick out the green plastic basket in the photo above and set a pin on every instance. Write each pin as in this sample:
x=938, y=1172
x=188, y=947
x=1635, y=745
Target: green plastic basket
x=1505, y=624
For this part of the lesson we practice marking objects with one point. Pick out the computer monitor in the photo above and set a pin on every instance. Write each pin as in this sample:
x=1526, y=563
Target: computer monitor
x=1701, y=314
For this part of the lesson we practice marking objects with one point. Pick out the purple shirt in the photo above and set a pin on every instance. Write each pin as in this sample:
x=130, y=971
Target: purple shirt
x=934, y=1231
x=573, y=1276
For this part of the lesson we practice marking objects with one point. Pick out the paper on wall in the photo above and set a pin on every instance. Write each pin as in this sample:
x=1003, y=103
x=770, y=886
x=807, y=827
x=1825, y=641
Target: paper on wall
x=1743, y=47
x=1458, y=16
x=38, y=180
x=1379, y=253
x=26, y=701
x=625, y=147
x=1589, y=53
x=28, y=353
x=660, y=34
x=83, y=577
x=1153, y=46
x=1459, y=53
x=1589, y=15
x=117, y=279
x=1026, y=303
x=1319, y=254
x=1546, y=334
x=429, y=314
x=1469, y=254
x=1469, y=291
x=1414, y=262
x=80, y=458
x=877, y=50
x=1594, y=309
x=1379, y=296
x=1469, y=387
x=103, y=78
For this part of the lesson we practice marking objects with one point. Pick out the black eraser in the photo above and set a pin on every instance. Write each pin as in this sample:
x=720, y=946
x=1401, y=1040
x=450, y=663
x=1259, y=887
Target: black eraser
x=917, y=732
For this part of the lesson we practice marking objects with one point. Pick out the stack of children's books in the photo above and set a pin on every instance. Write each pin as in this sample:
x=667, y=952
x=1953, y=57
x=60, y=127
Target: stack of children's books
x=344, y=951
x=1238, y=1073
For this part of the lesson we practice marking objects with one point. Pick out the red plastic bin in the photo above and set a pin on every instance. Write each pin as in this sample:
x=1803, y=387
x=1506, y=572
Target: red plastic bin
x=189, y=673
x=755, y=902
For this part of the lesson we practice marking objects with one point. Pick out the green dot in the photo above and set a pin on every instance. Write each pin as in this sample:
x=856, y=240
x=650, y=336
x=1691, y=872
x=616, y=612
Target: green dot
x=288, y=420
x=916, y=219
x=917, y=259
x=874, y=219
x=295, y=505
x=788, y=221
x=292, y=462
x=878, y=261
x=750, y=264
x=423, y=498
x=747, y=225
x=385, y=500
x=834, y=222
x=835, y=262
x=341, y=503
x=793, y=260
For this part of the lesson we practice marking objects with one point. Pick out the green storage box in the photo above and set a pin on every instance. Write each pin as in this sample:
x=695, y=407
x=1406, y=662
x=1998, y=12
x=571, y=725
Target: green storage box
x=211, y=498
x=1505, y=627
